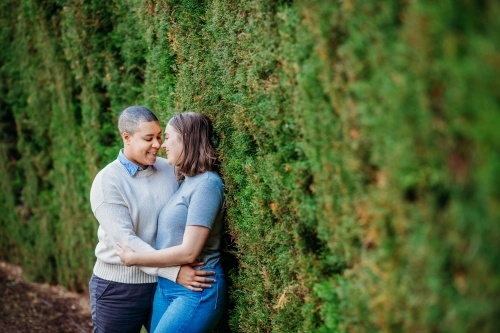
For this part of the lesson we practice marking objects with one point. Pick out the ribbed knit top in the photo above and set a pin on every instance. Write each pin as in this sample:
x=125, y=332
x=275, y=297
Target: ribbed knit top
x=127, y=208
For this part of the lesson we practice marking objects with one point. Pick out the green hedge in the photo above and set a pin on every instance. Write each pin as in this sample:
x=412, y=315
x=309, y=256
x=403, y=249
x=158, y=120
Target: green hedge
x=66, y=73
x=358, y=142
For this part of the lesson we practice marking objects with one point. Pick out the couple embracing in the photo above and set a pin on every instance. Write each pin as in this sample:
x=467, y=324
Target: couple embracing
x=160, y=225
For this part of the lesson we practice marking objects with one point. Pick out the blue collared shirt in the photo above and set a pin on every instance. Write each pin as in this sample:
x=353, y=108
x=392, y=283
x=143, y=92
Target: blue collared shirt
x=131, y=167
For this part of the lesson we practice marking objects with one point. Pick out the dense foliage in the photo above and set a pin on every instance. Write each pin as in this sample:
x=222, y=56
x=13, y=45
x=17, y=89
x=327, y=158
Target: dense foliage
x=359, y=146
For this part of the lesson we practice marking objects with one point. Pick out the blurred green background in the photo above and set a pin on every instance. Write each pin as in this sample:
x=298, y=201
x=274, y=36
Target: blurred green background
x=359, y=142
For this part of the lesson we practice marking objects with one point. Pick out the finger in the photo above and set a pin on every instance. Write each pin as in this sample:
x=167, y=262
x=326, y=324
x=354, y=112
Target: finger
x=195, y=288
x=203, y=279
x=204, y=286
x=120, y=245
x=204, y=273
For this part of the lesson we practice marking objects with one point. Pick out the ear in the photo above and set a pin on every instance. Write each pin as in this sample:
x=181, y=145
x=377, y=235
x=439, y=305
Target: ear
x=126, y=137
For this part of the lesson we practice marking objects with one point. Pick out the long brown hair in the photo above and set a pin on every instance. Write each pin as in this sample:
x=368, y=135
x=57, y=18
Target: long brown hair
x=199, y=155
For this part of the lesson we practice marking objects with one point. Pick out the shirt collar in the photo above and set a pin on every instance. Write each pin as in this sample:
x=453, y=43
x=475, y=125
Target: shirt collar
x=131, y=167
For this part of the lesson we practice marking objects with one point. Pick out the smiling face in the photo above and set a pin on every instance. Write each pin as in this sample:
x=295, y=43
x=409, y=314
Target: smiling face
x=142, y=146
x=173, y=146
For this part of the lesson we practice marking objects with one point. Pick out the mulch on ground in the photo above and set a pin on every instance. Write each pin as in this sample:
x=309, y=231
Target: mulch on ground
x=33, y=307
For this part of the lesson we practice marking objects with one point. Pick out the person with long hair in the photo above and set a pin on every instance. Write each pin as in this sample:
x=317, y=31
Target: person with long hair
x=189, y=230
x=126, y=198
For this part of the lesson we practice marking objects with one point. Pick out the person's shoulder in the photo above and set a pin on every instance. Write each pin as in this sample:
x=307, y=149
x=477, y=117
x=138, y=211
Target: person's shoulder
x=214, y=176
x=210, y=178
x=110, y=170
x=113, y=171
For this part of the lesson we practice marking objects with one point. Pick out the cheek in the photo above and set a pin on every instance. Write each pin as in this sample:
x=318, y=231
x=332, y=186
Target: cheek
x=178, y=148
x=173, y=145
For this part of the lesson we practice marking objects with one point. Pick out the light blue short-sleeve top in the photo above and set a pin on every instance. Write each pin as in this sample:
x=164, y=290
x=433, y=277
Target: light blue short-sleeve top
x=198, y=201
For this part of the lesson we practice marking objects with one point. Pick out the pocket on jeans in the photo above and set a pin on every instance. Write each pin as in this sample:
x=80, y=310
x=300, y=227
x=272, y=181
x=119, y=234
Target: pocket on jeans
x=101, y=288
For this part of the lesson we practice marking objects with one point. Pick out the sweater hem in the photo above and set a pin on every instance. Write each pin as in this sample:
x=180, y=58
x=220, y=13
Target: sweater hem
x=122, y=273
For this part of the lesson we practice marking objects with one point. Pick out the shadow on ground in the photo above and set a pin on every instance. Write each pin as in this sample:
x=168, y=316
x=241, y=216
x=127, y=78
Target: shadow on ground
x=33, y=307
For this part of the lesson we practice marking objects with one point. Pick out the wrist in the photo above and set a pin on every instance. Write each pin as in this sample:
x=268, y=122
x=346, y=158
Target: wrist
x=133, y=259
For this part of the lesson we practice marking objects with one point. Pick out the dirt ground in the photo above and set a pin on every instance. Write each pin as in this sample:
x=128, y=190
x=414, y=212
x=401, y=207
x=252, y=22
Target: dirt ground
x=33, y=307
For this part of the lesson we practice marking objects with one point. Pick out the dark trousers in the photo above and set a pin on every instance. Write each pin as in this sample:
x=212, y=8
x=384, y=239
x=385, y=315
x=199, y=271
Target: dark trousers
x=120, y=307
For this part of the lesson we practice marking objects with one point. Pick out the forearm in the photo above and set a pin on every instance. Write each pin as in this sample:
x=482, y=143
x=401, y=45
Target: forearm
x=185, y=253
x=172, y=256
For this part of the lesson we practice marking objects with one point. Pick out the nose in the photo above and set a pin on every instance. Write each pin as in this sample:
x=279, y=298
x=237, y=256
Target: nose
x=156, y=143
x=164, y=145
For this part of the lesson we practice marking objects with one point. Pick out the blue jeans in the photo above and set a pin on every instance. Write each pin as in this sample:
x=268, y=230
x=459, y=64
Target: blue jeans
x=120, y=307
x=178, y=309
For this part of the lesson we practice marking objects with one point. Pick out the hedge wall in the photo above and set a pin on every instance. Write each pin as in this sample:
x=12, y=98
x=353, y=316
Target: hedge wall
x=359, y=146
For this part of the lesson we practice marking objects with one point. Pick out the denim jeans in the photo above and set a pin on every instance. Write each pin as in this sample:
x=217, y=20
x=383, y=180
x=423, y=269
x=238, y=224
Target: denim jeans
x=120, y=307
x=178, y=309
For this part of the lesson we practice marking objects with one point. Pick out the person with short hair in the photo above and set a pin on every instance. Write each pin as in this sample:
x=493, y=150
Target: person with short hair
x=126, y=198
x=189, y=229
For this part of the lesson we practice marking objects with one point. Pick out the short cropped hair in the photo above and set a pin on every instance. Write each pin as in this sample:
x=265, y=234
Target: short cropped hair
x=196, y=131
x=130, y=118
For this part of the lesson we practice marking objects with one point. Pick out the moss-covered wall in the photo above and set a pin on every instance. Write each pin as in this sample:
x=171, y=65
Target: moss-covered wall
x=359, y=145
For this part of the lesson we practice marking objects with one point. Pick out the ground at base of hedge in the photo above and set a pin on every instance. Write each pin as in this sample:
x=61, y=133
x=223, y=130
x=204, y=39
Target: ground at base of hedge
x=33, y=307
